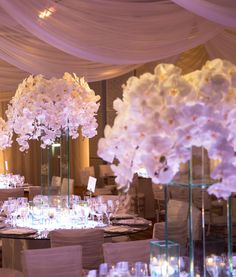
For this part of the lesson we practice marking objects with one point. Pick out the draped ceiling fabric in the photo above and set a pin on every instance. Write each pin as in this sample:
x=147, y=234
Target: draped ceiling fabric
x=113, y=32
x=219, y=11
x=102, y=39
x=223, y=45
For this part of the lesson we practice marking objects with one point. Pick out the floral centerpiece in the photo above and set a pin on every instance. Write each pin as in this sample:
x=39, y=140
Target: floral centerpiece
x=162, y=115
x=11, y=180
x=45, y=109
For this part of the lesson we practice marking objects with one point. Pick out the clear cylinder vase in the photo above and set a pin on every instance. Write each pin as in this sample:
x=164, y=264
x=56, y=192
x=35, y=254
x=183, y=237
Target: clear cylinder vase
x=55, y=170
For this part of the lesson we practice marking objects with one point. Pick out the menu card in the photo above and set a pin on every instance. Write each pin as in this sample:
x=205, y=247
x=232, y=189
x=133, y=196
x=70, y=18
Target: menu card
x=91, y=184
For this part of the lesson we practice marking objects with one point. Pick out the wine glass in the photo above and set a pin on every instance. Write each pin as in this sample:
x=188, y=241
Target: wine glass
x=140, y=269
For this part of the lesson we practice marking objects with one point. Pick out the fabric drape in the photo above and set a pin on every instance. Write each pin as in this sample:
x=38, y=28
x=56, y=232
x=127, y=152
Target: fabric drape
x=222, y=12
x=113, y=32
x=28, y=53
x=223, y=45
x=125, y=31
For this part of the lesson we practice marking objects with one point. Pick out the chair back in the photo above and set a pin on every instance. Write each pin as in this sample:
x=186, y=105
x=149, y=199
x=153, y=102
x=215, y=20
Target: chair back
x=65, y=190
x=178, y=193
x=197, y=198
x=90, y=239
x=14, y=192
x=7, y=272
x=56, y=181
x=63, y=262
x=130, y=251
x=177, y=210
x=33, y=191
x=177, y=232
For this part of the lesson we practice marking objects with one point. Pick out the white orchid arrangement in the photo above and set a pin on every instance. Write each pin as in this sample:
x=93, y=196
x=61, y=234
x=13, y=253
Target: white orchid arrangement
x=11, y=180
x=162, y=115
x=45, y=109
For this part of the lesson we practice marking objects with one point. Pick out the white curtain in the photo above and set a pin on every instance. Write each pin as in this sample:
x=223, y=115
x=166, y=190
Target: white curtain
x=220, y=11
x=113, y=32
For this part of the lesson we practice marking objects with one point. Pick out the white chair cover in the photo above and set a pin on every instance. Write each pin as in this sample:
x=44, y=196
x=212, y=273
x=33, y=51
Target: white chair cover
x=177, y=232
x=90, y=239
x=51, y=262
x=130, y=251
x=6, y=272
x=11, y=250
x=56, y=181
x=64, y=186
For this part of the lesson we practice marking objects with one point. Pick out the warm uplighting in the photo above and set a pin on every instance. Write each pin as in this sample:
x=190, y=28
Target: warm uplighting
x=46, y=13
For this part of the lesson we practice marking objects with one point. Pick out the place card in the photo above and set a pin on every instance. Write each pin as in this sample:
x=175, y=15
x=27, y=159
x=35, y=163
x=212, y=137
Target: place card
x=91, y=184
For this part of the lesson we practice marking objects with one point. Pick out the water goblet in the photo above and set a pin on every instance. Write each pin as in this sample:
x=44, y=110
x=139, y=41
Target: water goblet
x=141, y=269
x=103, y=270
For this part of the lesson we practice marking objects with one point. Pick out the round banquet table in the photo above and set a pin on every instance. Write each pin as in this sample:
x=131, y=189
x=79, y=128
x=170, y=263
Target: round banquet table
x=13, y=244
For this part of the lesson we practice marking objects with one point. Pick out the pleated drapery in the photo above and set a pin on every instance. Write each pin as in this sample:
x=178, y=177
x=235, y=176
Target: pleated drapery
x=102, y=39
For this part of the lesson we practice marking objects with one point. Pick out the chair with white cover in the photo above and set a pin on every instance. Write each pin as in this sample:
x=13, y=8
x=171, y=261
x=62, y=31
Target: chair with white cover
x=63, y=262
x=33, y=191
x=178, y=212
x=56, y=181
x=55, y=185
x=177, y=232
x=178, y=193
x=90, y=239
x=7, y=272
x=130, y=251
x=14, y=192
x=65, y=189
x=177, y=224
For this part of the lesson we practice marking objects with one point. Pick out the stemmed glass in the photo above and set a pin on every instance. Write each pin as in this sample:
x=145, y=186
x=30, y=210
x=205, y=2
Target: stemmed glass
x=99, y=212
x=112, y=208
x=86, y=210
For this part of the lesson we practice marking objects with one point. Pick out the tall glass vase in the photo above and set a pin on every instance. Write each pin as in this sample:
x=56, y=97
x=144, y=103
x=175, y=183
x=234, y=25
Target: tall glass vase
x=55, y=169
x=210, y=235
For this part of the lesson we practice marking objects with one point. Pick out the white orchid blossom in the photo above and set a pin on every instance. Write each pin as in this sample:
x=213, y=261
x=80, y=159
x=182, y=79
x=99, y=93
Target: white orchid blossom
x=45, y=109
x=162, y=115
